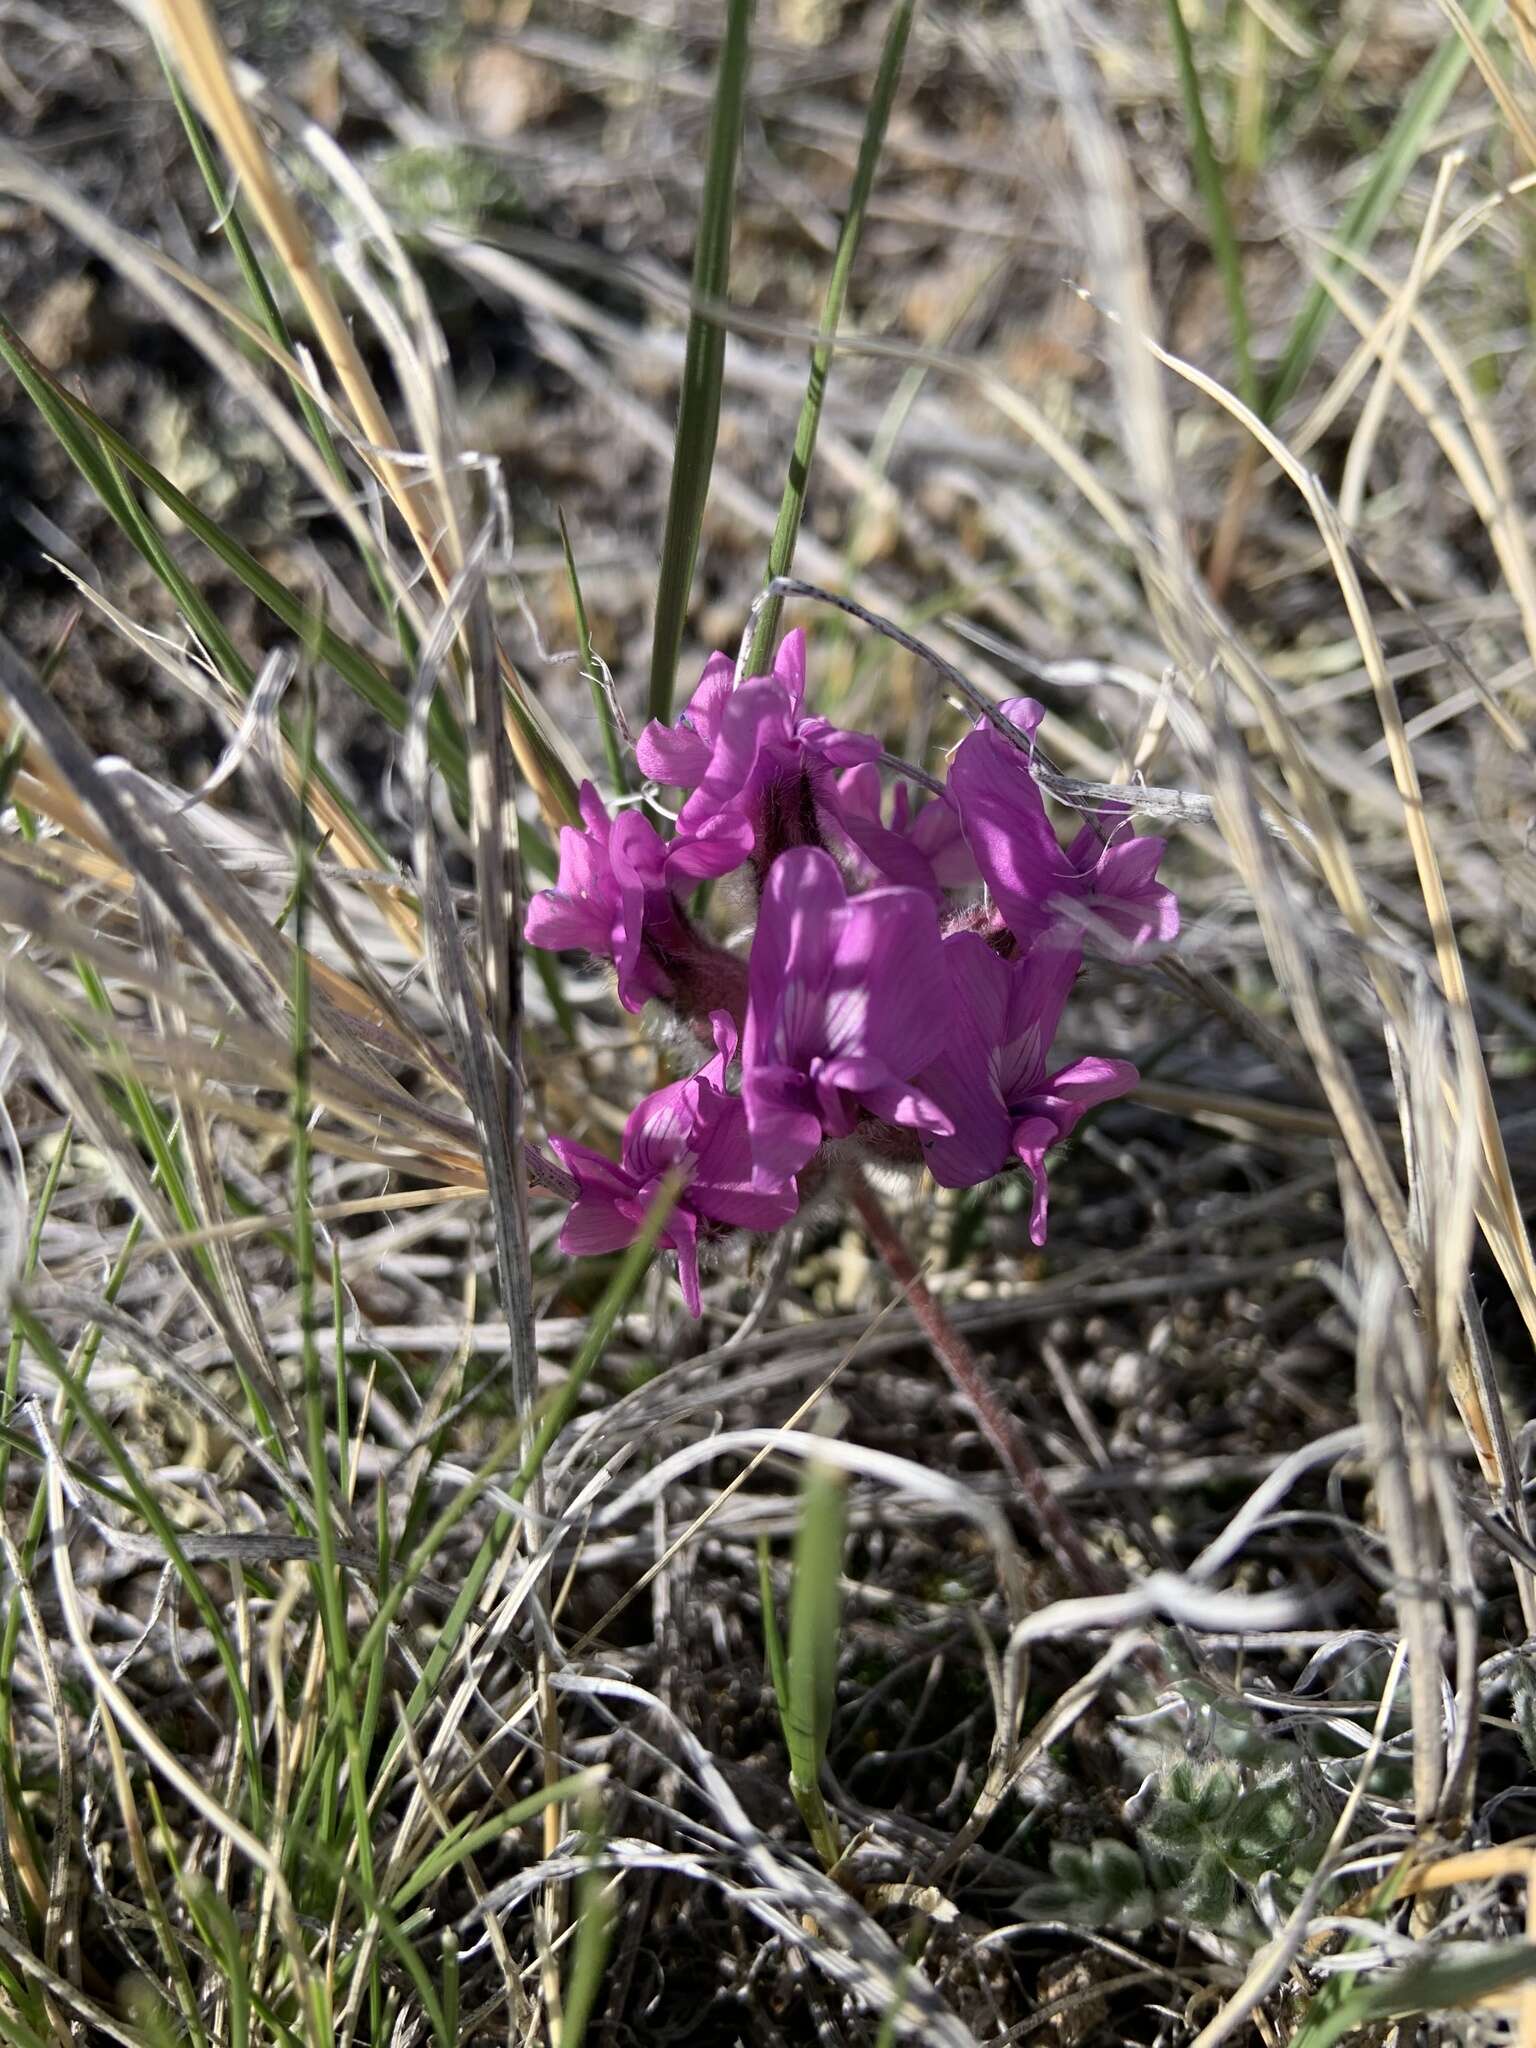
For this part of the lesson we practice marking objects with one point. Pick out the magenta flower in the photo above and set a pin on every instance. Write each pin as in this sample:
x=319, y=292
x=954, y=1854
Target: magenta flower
x=846, y=1001
x=991, y=1080
x=865, y=1031
x=754, y=762
x=678, y=755
x=1101, y=880
x=924, y=849
x=616, y=893
x=1113, y=882
x=692, y=1124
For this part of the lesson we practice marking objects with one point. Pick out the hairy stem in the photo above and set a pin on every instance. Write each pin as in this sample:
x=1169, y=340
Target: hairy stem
x=1053, y=1526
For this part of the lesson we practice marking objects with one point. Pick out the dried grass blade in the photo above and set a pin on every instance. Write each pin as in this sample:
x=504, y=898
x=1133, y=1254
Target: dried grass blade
x=493, y=826
x=492, y=1089
x=30, y=1009
x=194, y=37
x=1499, y=1211
x=1498, y=85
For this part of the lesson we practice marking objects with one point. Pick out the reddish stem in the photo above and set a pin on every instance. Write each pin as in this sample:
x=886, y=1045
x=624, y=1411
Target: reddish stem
x=1052, y=1524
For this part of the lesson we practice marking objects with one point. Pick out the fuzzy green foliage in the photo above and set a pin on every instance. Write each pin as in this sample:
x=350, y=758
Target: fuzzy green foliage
x=1213, y=1830
x=1098, y=1884
x=1206, y=1833
x=445, y=187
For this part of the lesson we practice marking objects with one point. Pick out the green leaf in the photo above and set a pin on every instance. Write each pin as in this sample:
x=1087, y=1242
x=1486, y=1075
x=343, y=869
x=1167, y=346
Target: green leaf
x=1265, y=1819
x=1118, y=1872
x=1207, y=1893
x=1171, y=1826
x=1073, y=1866
x=1215, y=1796
x=698, y=418
x=781, y=550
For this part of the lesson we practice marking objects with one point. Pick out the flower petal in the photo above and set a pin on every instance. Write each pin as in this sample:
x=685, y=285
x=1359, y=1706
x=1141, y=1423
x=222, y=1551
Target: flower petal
x=834, y=743
x=1092, y=1080
x=891, y=855
x=1002, y=815
x=723, y=1188
x=1032, y=1138
x=785, y=1131
x=557, y=923
x=594, y=1172
x=673, y=755
x=660, y=1131
x=935, y=832
x=789, y=665
x=1037, y=991
x=974, y=1151
x=1068, y=1094
x=961, y=1080
x=888, y=987
x=793, y=951
x=755, y=740
x=682, y=1236
x=1124, y=890
x=678, y=755
x=718, y=848
x=592, y=1227
x=899, y=1102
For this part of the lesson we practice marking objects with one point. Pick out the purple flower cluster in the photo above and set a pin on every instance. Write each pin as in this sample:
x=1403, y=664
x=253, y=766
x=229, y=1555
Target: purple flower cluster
x=877, y=1012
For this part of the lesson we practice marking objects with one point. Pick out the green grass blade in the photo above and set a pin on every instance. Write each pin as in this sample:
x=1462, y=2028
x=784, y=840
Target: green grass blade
x=1213, y=193
x=815, y=1619
x=467, y=1840
x=1399, y=153
x=558, y=1413
x=1446, y=1981
x=594, y=1932
x=331, y=1593
x=52, y=1177
x=228, y=211
x=786, y=532
x=74, y=425
x=562, y=792
x=613, y=745
x=698, y=418
x=773, y=1635
x=269, y=313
